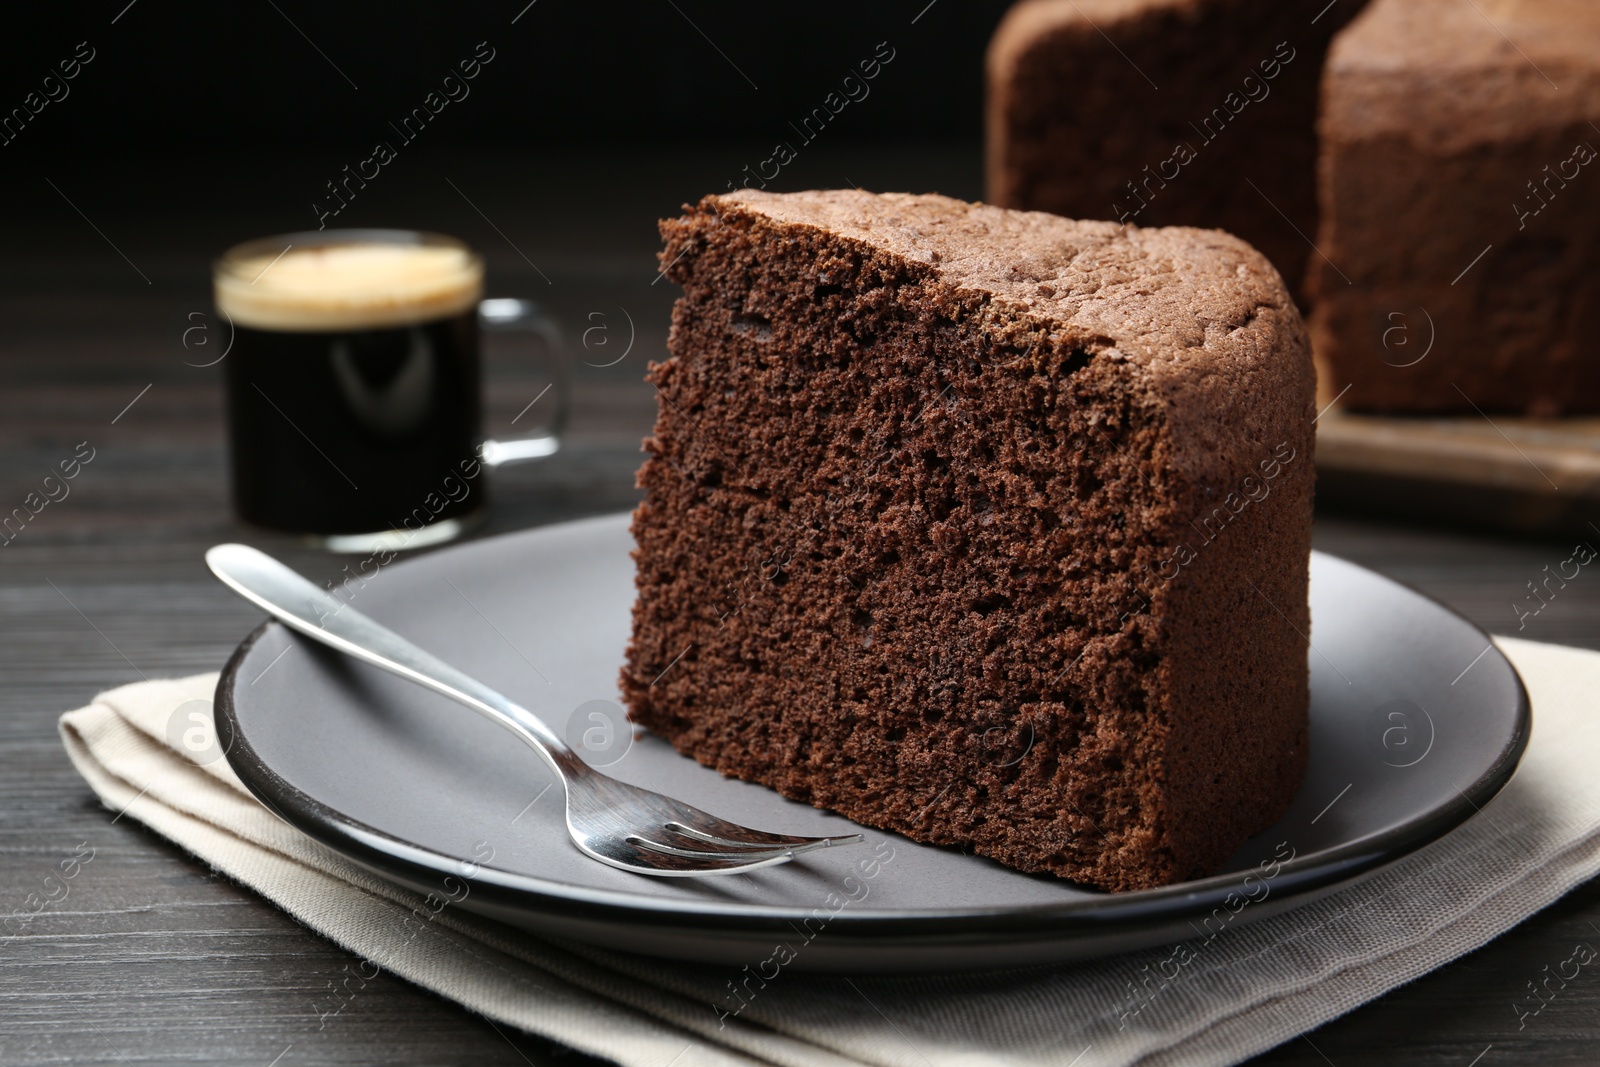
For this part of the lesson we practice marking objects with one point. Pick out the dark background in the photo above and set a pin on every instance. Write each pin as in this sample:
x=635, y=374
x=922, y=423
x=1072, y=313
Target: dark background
x=193, y=76
x=188, y=105
x=198, y=125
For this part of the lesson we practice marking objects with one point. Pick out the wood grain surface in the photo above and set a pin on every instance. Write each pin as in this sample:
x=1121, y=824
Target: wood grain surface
x=1495, y=472
x=151, y=957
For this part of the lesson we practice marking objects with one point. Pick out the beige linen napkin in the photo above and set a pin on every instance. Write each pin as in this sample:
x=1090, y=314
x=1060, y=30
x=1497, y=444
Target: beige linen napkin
x=1251, y=988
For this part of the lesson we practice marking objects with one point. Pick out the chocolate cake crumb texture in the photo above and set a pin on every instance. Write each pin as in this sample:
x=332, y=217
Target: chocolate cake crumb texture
x=983, y=526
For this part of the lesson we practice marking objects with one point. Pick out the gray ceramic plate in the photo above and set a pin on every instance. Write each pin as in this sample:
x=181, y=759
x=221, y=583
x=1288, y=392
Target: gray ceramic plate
x=1405, y=744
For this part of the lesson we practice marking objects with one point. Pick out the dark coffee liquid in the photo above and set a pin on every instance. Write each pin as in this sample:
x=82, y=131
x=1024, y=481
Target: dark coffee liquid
x=355, y=431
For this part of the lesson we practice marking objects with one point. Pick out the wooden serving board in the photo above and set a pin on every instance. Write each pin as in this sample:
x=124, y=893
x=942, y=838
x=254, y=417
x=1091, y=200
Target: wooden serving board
x=1532, y=476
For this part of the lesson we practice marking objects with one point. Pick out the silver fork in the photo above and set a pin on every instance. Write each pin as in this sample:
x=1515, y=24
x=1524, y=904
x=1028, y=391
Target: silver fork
x=615, y=823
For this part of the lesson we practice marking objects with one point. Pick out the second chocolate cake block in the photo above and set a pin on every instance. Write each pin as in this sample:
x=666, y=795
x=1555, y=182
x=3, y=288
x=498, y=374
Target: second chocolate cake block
x=984, y=526
x=1164, y=112
x=1460, y=185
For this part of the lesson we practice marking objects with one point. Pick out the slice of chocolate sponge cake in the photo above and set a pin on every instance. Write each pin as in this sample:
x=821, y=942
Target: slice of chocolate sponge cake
x=984, y=526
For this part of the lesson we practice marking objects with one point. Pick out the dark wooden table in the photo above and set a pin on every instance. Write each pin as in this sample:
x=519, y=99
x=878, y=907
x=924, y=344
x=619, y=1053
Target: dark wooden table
x=153, y=958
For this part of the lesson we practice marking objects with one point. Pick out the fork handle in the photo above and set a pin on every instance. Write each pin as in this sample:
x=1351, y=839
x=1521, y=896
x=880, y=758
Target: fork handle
x=319, y=615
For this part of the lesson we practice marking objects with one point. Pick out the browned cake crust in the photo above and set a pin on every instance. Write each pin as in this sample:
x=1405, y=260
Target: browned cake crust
x=1460, y=184
x=985, y=526
x=1162, y=113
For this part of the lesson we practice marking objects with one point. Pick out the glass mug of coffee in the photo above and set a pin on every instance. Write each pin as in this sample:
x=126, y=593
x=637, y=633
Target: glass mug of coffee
x=353, y=385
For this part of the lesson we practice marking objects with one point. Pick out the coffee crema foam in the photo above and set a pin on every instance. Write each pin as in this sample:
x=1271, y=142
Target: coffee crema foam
x=355, y=286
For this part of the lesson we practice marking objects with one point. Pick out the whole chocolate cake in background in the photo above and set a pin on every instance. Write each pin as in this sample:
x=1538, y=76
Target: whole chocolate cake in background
x=1460, y=185
x=1164, y=112
x=988, y=527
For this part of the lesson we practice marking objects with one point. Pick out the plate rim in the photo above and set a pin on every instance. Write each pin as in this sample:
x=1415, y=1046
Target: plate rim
x=409, y=863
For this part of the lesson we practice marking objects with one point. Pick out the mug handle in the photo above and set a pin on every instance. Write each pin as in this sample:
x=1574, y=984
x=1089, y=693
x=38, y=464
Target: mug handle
x=523, y=316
